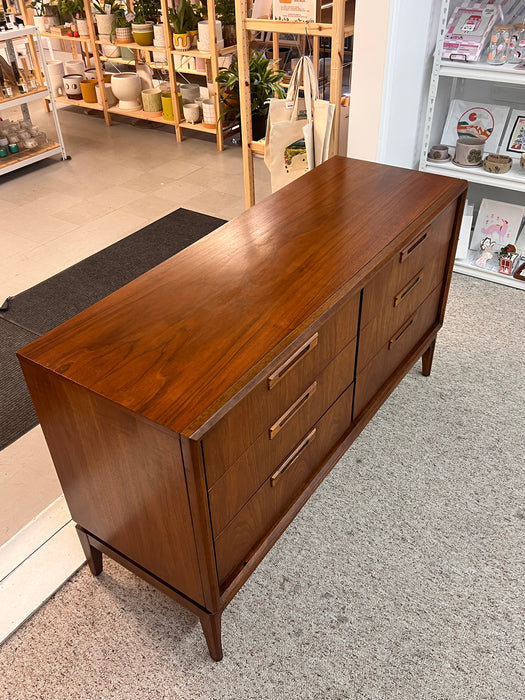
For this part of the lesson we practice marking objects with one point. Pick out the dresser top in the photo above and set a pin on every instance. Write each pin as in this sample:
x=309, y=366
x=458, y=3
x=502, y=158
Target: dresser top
x=180, y=342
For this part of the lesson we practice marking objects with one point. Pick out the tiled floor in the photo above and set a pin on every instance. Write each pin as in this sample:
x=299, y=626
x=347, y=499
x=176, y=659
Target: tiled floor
x=55, y=213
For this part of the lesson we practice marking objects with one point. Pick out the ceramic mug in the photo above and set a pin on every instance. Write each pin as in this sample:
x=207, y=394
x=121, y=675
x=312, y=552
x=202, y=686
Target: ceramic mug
x=439, y=152
x=469, y=152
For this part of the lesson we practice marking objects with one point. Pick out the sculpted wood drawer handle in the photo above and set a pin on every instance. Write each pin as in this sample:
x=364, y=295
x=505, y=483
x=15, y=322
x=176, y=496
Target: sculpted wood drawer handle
x=293, y=457
x=412, y=246
x=408, y=288
x=401, y=331
x=292, y=361
x=290, y=413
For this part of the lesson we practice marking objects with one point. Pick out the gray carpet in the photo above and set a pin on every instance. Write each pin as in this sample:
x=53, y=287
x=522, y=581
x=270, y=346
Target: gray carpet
x=402, y=578
x=53, y=301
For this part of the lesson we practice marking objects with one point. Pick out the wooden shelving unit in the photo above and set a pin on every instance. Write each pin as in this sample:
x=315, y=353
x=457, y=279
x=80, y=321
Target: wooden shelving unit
x=336, y=22
x=88, y=47
x=56, y=146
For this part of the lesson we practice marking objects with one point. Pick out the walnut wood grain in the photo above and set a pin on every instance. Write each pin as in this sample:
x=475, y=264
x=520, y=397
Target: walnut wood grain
x=212, y=316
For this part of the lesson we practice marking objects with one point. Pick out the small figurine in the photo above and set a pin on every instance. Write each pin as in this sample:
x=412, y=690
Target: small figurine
x=488, y=246
x=507, y=256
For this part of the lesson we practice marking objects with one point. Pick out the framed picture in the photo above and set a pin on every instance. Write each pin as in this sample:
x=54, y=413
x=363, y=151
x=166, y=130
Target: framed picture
x=498, y=221
x=513, y=143
x=483, y=121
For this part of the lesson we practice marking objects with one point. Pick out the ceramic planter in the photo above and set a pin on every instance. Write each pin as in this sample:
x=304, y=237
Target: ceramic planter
x=74, y=65
x=110, y=97
x=142, y=33
x=203, y=43
x=56, y=72
x=87, y=87
x=189, y=92
x=126, y=88
x=83, y=27
x=123, y=35
x=72, y=86
x=152, y=102
x=108, y=49
x=182, y=42
x=104, y=24
x=158, y=36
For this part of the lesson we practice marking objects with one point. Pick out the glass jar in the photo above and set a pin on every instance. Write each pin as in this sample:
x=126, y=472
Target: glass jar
x=499, y=45
x=517, y=44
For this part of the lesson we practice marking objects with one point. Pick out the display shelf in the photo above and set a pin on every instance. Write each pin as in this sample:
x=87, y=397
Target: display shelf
x=79, y=103
x=476, y=79
x=17, y=100
x=65, y=37
x=464, y=267
x=341, y=25
x=482, y=71
x=139, y=114
x=133, y=46
x=56, y=146
x=205, y=54
x=14, y=162
x=513, y=180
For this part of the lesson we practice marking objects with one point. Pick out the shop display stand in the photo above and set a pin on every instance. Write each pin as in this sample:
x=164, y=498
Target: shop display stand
x=90, y=47
x=52, y=148
x=338, y=25
x=446, y=79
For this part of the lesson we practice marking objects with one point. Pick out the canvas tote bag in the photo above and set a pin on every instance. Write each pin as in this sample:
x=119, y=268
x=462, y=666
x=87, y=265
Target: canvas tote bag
x=299, y=128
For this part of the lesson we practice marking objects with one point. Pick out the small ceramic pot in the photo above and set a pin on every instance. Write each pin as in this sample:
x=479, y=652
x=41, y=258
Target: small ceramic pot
x=83, y=27
x=104, y=24
x=123, y=35
x=110, y=97
x=126, y=88
x=152, y=102
x=13, y=148
x=189, y=92
x=439, y=152
x=204, y=35
x=192, y=112
x=74, y=66
x=167, y=106
x=182, y=42
x=208, y=113
x=87, y=86
x=109, y=49
x=142, y=33
x=158, y=36
x=497, y=164
x=469, y=152
x=72, y=86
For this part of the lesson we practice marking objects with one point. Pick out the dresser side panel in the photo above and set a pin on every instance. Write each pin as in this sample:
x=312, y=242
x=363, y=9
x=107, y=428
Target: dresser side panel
x=122, y=476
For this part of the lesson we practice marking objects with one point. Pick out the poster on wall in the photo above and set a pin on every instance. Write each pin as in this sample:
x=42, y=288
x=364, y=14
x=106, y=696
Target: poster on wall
x=483, y=121
x=294, y=10
x=498, y=221
x=513, y=143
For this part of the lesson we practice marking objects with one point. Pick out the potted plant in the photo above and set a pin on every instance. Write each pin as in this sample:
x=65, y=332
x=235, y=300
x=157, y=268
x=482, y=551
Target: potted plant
x=105, y=19
x=265, y=82
x=182, y=20
x=71, y=10
x=121, y=31
x=147, y=13
x=40, y=16
x=225, y=12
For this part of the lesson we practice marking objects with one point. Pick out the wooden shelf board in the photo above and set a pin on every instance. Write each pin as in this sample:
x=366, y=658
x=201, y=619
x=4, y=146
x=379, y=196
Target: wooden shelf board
x=270, y=25
x=22, y=99
x=139, y=114
x=131, y=62
x=12, y=161
x=205, y=54
x=77, y=39
x=133, y=46
x=78, y=103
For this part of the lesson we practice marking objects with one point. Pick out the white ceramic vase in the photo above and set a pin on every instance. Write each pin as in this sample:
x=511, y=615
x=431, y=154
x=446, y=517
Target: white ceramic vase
x=56, y=72
x=203, y=43
x=126, y=88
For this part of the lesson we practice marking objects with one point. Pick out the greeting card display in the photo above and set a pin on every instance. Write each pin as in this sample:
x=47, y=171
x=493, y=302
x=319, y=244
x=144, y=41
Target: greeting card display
x=468, y=31
x=513, y=143
x=477, y=120
x=498, y=222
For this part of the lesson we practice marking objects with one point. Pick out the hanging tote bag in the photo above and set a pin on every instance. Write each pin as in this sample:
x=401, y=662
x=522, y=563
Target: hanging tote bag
x=295, y=143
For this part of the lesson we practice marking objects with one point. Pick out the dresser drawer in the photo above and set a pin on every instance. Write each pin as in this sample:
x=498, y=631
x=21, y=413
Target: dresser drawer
x=254, y=414
x=411, y=275
x=249, y=471
x=283, y=486
x=392, y=353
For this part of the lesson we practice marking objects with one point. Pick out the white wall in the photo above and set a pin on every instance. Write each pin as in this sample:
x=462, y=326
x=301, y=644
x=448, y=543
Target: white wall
x=393, y=53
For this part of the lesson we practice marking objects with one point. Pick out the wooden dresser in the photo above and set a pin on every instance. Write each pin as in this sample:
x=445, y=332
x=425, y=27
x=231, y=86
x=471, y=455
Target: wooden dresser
x=192, y=413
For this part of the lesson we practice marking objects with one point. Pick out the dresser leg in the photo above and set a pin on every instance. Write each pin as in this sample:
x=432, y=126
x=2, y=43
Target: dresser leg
x=427, y=358
x=211, y=626
x=93, y=556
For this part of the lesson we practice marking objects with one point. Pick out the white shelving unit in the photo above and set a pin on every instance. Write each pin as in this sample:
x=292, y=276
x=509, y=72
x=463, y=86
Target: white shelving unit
x=474, y=82
x=52, y=148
